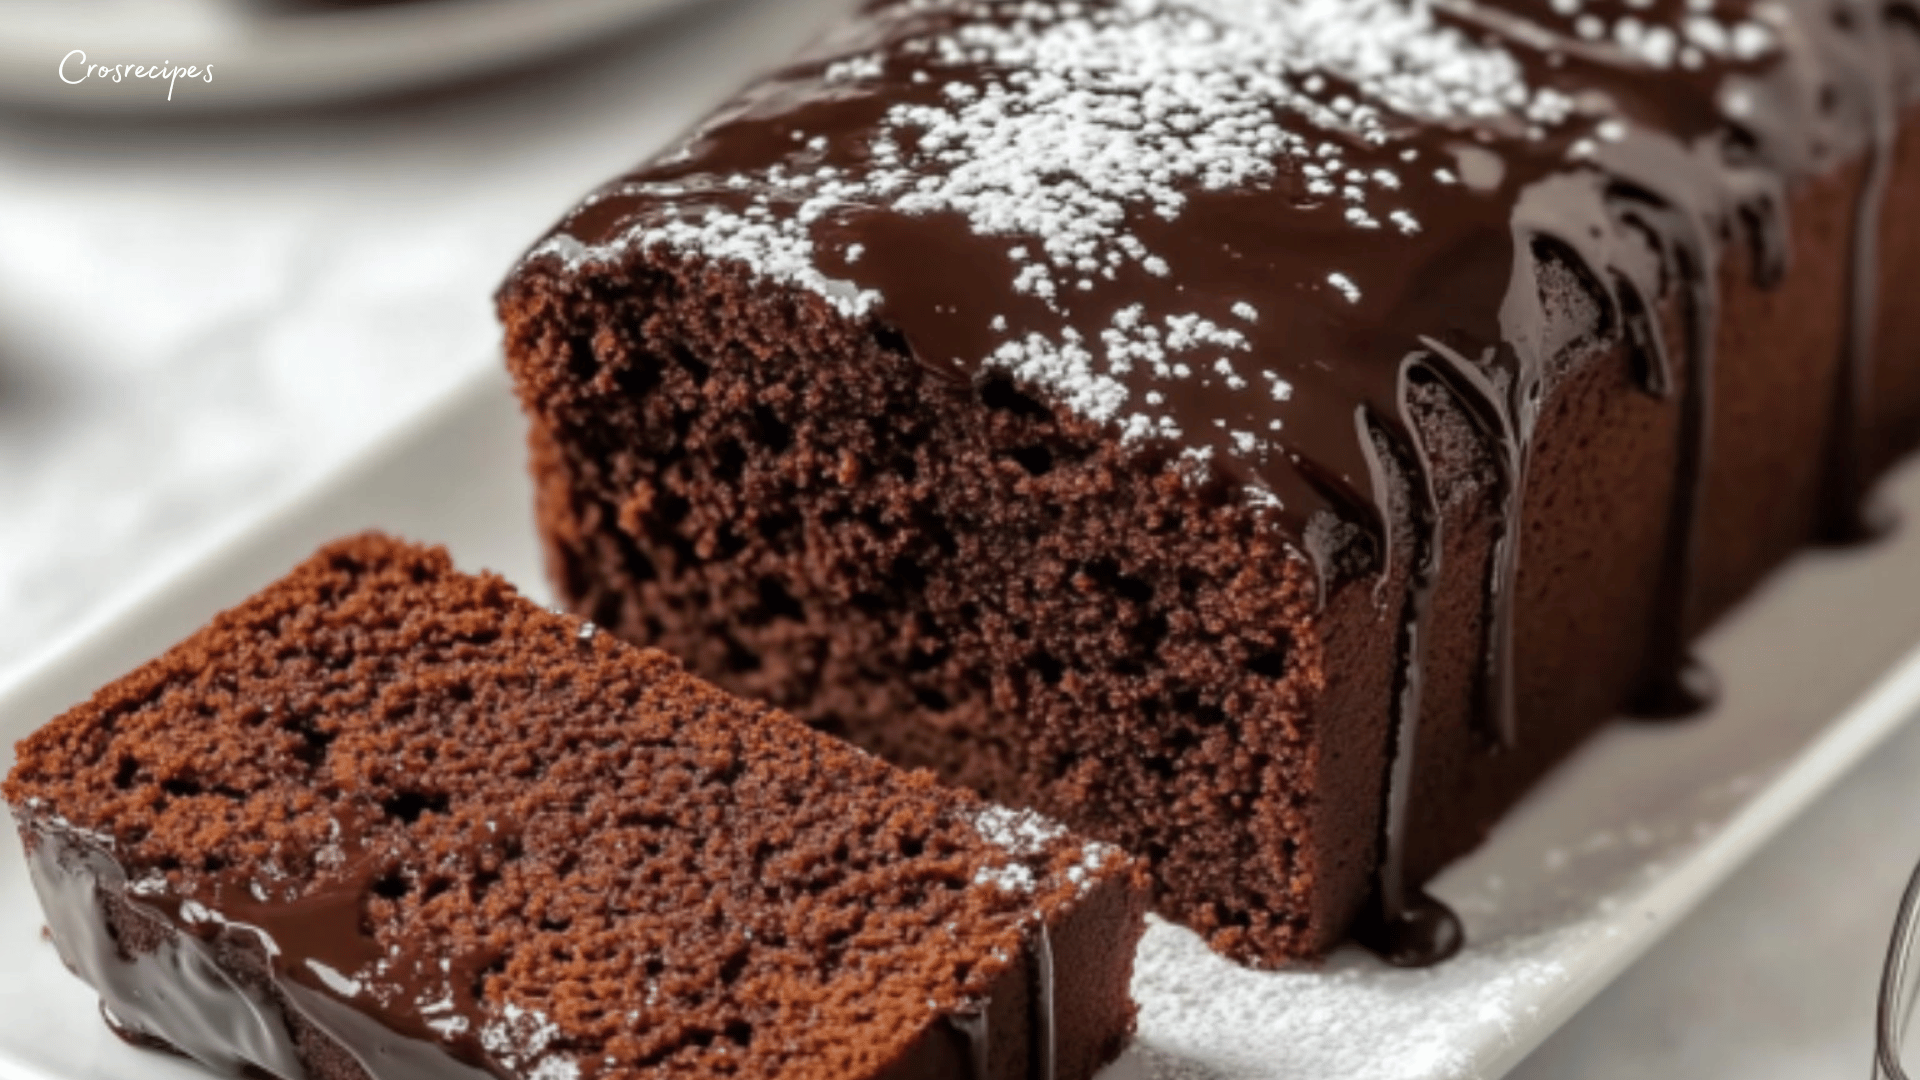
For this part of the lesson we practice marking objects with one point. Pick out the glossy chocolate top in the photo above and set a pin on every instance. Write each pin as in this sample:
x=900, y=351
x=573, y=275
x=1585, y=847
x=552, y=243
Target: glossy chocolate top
x=1225, y=224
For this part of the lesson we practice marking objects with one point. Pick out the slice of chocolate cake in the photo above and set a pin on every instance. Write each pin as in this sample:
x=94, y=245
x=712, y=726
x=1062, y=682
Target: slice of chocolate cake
x=386, y=821
x=1267, y=434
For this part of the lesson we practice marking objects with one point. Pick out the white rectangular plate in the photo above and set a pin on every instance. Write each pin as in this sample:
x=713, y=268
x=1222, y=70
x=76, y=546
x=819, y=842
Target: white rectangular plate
x=1604, y=857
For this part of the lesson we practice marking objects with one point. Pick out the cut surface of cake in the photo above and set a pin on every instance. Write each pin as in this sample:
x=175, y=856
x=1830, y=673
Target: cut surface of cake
x=386, y=820
x=1266, y=434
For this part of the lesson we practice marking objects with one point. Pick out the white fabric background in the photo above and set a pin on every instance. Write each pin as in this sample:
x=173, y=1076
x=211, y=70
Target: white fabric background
x=195, y=316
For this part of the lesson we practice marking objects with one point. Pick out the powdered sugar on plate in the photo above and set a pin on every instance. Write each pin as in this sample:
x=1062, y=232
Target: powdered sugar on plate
x=1555, y=897
x=1205, y=1018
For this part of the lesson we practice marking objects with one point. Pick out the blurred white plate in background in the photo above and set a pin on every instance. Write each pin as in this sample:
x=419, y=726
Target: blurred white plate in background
x=278, y=53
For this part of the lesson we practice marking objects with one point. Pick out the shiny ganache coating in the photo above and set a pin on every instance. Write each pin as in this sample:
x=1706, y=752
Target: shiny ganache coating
x=1251, y=230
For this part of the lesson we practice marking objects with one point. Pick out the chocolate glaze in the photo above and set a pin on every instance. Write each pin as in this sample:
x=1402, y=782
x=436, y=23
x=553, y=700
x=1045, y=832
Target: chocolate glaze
x=971, y=1023
x=181, y=996
x=400, y=1015
x=178, y=988
x=1654, y=171
x=139, y=1040
x=972, y=1026
x=1045, y=1017
x=1849, y=518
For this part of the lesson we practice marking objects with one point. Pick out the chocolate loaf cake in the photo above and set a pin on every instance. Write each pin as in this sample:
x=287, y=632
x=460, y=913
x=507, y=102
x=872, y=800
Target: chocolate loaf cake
x=386, y=821
x=1266, y=434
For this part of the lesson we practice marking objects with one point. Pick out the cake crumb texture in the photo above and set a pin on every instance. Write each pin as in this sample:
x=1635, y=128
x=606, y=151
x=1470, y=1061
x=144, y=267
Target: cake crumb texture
x=554, y=855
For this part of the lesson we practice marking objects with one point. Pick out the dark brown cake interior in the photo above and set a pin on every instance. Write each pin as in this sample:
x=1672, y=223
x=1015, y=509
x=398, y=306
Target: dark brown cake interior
x=816, y=518
x=476, y=810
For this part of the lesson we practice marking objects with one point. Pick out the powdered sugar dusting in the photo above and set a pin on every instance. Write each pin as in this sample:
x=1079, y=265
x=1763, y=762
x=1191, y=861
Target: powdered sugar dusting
x=521, y=1038
x=1012, y=877
x=1582, y=884
x=1020, y=833
x=1025, y=838
x=1205, y=1018
x=1061, y=126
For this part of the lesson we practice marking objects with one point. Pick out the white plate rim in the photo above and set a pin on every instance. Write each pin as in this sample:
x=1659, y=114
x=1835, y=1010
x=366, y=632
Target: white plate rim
x=1881, y=712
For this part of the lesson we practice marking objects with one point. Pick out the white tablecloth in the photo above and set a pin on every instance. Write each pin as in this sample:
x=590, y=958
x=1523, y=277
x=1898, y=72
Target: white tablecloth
x=197, y=315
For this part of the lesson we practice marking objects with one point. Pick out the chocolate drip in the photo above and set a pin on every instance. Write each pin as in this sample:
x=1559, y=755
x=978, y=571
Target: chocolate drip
x=1653, y=169
x=971, y=1023
x=177, y=988
x=1506, y=422
x=1046, y=1019
x=1682, y=231
x=1665, y=200
x=1849, y=518
x=134, y=1037
x=178, y=996
x=1605, y=227
x=1408, y=928
x=328, y=966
